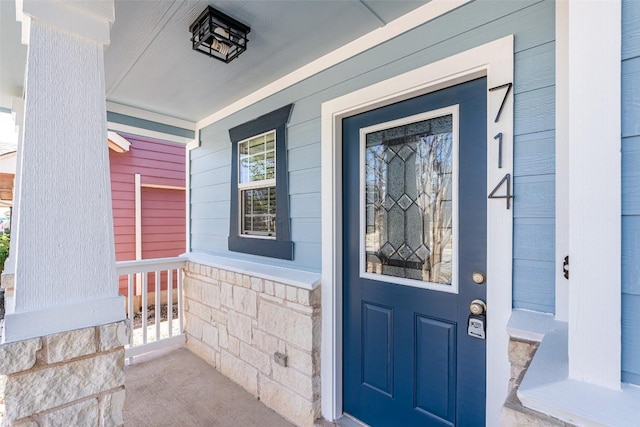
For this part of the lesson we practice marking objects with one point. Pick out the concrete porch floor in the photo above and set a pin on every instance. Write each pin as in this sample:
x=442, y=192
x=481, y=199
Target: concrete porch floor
x=178, y=388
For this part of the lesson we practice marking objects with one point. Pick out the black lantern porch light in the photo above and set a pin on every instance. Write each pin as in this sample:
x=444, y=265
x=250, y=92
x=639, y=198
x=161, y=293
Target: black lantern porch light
x=218, y=35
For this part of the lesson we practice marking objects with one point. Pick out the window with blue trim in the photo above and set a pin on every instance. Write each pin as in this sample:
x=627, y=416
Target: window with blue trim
x=259, y=217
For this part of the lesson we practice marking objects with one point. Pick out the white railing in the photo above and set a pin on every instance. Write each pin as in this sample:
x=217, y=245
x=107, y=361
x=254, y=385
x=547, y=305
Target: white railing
x=161, y=333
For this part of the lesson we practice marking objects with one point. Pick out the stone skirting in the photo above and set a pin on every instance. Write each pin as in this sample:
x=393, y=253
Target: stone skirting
x=237, y=322
x=513, y=413
x=73, y=378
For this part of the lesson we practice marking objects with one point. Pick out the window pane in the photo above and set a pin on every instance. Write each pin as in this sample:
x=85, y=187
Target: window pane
x=243, y=148
x=271, y=141
x=408, y=178
x=260, y=200
x=270, y=166
x=256, y=145
x=257, y=159
x=259, y=211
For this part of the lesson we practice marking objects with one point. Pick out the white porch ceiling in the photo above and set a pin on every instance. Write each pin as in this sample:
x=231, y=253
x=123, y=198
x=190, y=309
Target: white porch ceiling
x=150, y=64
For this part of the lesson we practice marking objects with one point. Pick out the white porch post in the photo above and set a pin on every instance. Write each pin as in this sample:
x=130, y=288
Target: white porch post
x=593, y=129
x=65, y=270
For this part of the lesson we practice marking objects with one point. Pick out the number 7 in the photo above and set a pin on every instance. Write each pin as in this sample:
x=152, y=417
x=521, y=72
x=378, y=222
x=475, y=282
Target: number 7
x=506, y=94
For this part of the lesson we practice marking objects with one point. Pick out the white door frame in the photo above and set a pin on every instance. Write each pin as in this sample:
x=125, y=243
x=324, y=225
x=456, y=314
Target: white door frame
x=495, y=61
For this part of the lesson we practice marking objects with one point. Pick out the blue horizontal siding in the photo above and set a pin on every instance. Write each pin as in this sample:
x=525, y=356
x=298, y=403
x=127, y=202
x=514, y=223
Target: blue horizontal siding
x=305, y=157
x=533, y=70
x=210, y=176
x=631, y=175
x=532, y=22
x=536, y=290
x=535, y=111
x=303, y=134
x=630, y=29
x=212, y=210
x=210, y=193
x=210, y=226
x=630, y=338
x=630, y=97
x=306, y=230
x=213, y=159
x=534, y=239
x=535, y=154
x=631, y=192
x=304, y=181
x=631, y=254
x=534, y=196
x=305, y=205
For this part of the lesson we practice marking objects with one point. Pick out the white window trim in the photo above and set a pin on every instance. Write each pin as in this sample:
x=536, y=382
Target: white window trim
x=495, y=61
x=452, y=287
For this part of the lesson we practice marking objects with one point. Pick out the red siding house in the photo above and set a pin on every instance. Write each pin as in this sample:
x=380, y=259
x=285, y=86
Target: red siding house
x=148, y=193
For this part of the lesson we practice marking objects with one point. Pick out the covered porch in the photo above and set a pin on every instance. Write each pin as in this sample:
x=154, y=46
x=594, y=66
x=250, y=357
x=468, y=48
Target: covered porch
x=175, y=387
x=263, y=296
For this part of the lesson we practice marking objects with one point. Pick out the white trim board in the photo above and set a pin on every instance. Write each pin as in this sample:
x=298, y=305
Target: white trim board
x=120, y=143
x=453, y=111
x=417, y=17
x=138, y=113
x=164, y=187
x=133, y=130
x=495, y=61
x=591, y=120
x=52, y=320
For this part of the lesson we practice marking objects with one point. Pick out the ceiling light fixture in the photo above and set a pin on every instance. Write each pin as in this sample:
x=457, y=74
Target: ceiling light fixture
x=218, y=35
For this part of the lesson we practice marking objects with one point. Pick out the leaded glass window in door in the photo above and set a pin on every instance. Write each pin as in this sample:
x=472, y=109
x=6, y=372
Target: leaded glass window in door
x=408, y=202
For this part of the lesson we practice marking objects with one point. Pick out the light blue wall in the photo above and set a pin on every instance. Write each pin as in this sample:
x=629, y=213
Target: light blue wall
x=630, y=191
x=474, y=24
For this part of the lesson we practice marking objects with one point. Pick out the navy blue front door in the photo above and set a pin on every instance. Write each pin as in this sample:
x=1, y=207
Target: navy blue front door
x=414, y=221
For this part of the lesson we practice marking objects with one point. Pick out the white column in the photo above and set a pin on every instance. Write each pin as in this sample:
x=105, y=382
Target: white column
x=65, y=271
x=593, y=130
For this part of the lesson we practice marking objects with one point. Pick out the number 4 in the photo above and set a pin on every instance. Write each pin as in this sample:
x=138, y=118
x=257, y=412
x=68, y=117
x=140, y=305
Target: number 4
x=508, y=196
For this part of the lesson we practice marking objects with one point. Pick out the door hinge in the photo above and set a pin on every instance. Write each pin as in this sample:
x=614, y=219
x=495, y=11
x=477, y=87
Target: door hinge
x=565, y=267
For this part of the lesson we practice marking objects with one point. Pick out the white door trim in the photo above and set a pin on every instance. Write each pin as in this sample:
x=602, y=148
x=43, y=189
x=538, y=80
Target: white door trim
x=495, y=61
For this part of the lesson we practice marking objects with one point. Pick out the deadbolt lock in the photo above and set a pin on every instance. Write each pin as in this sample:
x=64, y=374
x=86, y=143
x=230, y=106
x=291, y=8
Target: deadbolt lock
x=478, y=277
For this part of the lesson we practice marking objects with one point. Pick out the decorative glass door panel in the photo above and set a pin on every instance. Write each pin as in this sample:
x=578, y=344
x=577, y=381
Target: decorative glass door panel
x=409, y=187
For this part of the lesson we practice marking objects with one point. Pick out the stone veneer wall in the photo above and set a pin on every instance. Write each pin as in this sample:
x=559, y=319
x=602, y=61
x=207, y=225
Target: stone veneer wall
x=73, y=378
x=513, y=413
x=236, y=322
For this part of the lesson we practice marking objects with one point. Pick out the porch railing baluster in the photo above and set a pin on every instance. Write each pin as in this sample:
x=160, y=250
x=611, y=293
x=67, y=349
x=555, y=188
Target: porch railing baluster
x=130, y=313
x=158, y=306
x=145, y=298
x=180, y=311
x=137, y=278
x=170, y=301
